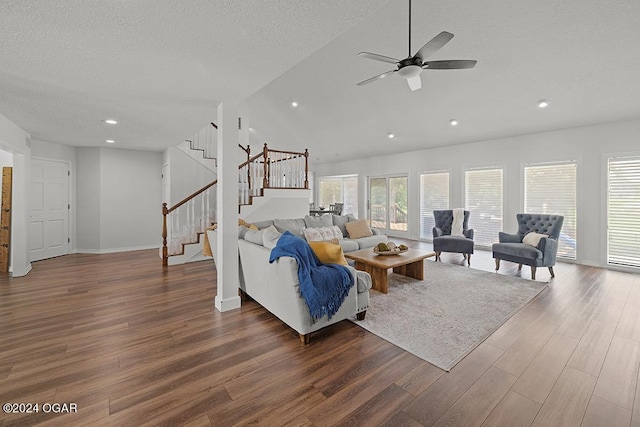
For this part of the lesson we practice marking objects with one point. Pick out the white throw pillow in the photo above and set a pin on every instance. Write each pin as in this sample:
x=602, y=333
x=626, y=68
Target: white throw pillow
x=322, y=233
x=533, y=238
x=254, y=236
x=270, y=236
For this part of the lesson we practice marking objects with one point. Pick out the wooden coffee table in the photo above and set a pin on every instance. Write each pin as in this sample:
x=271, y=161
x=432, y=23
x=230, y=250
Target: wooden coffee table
x=409, y=263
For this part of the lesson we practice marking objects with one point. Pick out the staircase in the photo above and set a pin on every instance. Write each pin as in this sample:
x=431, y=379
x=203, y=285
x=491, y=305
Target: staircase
x=184, y=223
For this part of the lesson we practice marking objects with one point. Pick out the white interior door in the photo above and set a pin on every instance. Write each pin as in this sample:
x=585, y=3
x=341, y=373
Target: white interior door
x=49, y=209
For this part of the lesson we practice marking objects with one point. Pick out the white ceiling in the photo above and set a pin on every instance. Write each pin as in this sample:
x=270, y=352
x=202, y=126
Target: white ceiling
x=160, y=67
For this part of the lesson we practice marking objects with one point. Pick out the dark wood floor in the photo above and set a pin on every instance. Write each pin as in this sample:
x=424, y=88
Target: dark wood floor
x=134, y=344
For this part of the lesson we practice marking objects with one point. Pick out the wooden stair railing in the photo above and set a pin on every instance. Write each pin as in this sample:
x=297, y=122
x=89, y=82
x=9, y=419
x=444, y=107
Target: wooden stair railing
x=277, y=169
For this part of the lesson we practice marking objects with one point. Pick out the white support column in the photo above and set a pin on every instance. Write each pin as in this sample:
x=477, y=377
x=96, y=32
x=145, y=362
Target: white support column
x=227, y=201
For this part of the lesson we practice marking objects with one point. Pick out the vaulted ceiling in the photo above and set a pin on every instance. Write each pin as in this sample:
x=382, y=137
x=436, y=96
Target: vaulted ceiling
x=161, y=67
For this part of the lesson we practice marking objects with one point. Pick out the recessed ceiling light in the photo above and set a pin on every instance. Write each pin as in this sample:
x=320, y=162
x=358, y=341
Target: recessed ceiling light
x=391, y=135
x=111, y=122
x=453, y=122
x=543, y=103
x=110, y=141
x=294, y=104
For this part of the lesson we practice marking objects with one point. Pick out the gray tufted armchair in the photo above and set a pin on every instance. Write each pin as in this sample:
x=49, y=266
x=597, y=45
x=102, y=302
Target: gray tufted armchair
x=512, y=249
x=443, y=241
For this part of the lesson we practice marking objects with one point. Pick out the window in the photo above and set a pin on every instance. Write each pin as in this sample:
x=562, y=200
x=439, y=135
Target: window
x=339, y=189
x=623, y=202
x=388, y=203
x=434, y=194
x=551, y=189
x=483, y=198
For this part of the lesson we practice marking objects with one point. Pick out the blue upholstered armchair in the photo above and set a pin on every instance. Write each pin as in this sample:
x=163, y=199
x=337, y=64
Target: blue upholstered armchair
x=543, y=254
x=443, y=241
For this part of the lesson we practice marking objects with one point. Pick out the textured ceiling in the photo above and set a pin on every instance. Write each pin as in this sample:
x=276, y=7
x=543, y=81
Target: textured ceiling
x=161, y=67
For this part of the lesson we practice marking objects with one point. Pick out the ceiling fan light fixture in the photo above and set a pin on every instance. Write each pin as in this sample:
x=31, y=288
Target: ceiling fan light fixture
x=409, y=71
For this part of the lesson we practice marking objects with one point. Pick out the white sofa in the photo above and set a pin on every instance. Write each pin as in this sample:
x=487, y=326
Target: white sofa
x=276, y=287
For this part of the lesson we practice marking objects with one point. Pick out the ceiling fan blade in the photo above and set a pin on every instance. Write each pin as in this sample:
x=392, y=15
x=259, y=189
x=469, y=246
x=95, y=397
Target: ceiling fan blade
x=378, y=77
x=377, y=57
x=415, y=82
x=433, y=45
x=452, y=64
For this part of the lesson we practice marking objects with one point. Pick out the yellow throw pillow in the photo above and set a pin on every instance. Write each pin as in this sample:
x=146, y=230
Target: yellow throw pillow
x=358, y=229
x=328, y=253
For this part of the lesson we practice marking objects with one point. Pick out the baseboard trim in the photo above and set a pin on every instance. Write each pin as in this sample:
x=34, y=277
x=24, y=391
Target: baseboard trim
x=115, y=250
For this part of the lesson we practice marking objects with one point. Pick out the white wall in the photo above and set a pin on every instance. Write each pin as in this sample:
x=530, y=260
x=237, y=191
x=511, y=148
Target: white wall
x=15, y=140
x=587, y=145
x=119, y=204
x=130, y=199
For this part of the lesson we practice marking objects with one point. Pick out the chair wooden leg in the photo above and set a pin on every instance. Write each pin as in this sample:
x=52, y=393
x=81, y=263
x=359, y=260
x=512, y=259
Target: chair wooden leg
x=497, y=264
x=533, y=273
x=519, y=267
x=551, y=271
x=360, y=316
x=304, y=338
x=469, y=260
x=438, y=256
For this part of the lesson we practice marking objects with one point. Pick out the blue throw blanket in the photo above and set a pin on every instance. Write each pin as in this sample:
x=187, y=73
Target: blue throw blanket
x=323, y=286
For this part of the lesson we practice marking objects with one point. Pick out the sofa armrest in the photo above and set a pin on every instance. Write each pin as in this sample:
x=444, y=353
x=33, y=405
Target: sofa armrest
x=469, y=234
x=437, y=232
x=508, y=238
x=375, y=231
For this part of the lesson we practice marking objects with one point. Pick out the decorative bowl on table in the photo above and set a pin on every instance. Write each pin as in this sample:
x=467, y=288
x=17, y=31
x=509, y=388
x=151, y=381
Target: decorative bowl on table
x=389, y=248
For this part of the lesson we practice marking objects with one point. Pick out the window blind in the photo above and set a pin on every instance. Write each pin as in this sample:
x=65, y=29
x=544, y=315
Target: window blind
x=434, y=194
x=551, y=189
x=483, y=199
x=623, y=202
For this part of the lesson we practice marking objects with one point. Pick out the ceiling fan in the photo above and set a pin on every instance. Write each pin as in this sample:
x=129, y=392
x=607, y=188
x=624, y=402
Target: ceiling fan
x=411, y=67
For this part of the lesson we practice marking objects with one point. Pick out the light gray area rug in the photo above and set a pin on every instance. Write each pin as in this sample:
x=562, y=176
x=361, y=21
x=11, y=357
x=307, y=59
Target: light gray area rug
x=444, y=317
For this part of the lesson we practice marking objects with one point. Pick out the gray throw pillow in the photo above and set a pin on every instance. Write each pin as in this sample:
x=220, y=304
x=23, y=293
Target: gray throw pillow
x=254, y=236
x=270, y=237
x=341, y=220
x=318, y=221
x=294, y=226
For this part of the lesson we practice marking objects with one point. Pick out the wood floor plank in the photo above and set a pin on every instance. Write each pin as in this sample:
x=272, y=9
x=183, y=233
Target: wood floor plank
x=619, y=376
x=479, y=400
x=516, y=359
x=538, y=379
x=513, y=328
x=435, y=401
x=567, y=401
x=420, y=378
x=378, y=409
x=593, y=348
x=514, y=410
x=604, y=413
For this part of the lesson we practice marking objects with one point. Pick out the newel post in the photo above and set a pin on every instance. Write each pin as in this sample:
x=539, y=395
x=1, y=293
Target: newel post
x=306, y=168
x=265, y=157
x=165, y=250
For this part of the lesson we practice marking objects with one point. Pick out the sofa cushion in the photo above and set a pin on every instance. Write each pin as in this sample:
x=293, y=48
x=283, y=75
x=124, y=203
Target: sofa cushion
x=270, y=236
x=263, y=224
x=349, y=245
x=371, y=241
x=358, y=229
x=519, y=250
x=254, y=236
x=341, y=220
x=328, y=253
x=318, y=221
x=293, y=226
x=533, y=238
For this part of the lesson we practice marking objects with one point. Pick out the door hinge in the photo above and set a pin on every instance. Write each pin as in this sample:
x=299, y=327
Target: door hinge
x=68, y=173
x=239, y=123
x=69, y=206
x=68, y=239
